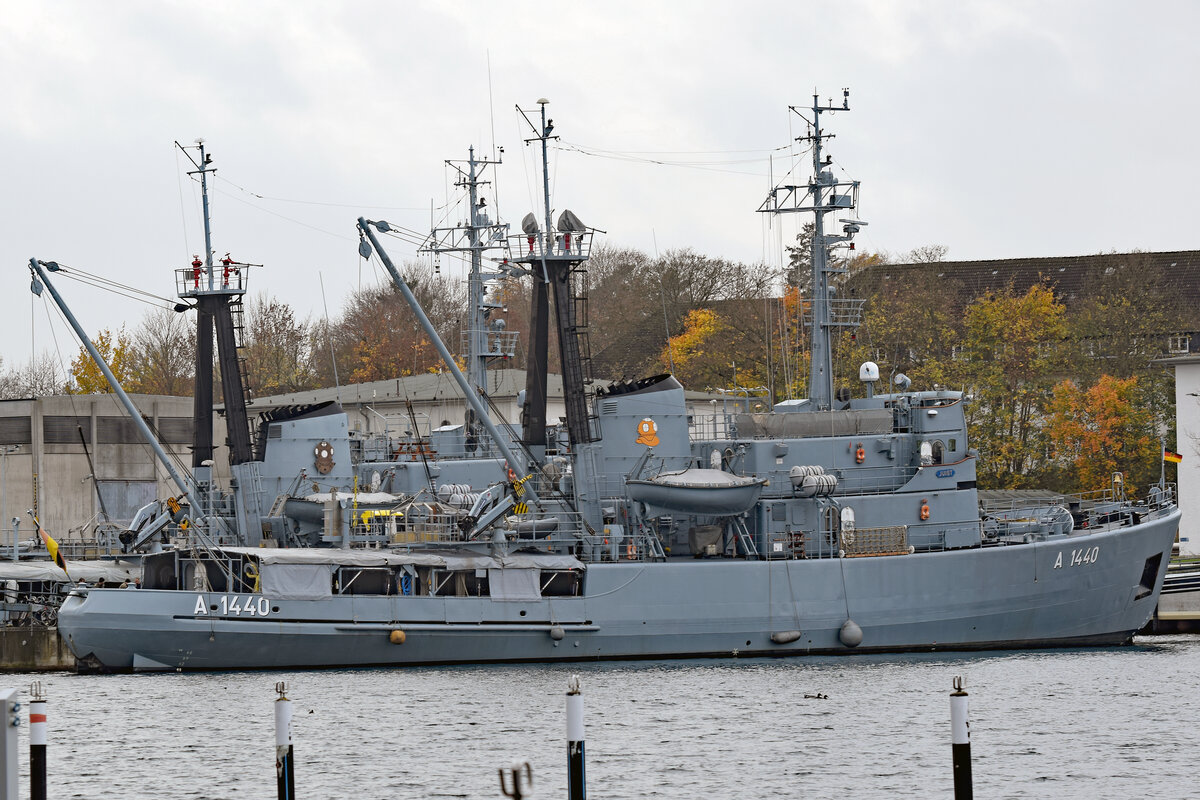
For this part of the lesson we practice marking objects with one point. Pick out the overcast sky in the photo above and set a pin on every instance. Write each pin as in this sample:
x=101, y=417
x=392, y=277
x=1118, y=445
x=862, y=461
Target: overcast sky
x=998, y=129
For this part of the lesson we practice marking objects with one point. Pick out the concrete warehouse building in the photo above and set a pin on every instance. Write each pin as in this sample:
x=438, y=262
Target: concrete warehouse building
x=69, y=457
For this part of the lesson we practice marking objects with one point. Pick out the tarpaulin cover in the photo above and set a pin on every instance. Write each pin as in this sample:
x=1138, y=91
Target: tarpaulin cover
x=297, y=581
x=515, y=584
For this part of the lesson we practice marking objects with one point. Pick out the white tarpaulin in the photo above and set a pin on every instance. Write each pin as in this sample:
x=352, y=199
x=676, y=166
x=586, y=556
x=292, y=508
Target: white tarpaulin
x=452, y=559
x=515, y=584
x=297, y=581
x=114, y=572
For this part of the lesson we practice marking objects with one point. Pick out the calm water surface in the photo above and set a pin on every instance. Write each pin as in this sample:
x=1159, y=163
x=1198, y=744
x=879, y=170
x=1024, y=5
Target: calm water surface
x=1116, y=723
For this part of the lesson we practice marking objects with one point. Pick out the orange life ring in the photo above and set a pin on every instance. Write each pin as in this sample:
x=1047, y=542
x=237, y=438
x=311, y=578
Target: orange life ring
x=924, y=510
x=860, y=455
x=630, y=550
x=512, y=475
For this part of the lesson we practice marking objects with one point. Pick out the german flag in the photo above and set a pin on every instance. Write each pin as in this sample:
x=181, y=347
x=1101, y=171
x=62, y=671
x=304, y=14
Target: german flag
x=1172, y=456
x=52, y=549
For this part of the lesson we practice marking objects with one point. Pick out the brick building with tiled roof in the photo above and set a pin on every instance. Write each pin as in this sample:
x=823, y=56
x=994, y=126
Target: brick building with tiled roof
x=1072, y=278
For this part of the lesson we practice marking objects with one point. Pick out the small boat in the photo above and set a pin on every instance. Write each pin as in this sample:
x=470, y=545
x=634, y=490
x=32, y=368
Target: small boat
x=698, y=491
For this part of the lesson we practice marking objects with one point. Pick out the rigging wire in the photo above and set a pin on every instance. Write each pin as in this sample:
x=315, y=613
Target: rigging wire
x=312, y=202
x=526, y=167
x=682, y=152
x=99, y=281
x=182, y=207
x=280, y=216
x=491, y=100
x=704, y=166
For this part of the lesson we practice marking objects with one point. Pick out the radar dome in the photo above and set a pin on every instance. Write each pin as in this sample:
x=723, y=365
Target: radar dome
x=869, y=371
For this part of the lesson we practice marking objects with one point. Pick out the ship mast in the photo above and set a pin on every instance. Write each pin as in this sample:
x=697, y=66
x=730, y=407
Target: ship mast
x=483, y=340
x=823, y=194
x=555, y=260
x=218, y=309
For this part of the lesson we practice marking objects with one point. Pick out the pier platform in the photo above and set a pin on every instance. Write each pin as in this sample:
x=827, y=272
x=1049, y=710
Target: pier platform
x=36, y=649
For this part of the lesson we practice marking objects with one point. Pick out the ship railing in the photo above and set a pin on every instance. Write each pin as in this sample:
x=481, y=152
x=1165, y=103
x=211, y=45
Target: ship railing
x=718, y=425
x=843, y=312
x=1157, y=497
x=372, y=447
x=573, y=535
x=872, y=480
x=191, y=282
x=401, y=528
x=31, y=604
x=570, y=535
x=498, y=344
x=1009, y=506
x=95, y=538
x=572, y=245
x=1162, y=497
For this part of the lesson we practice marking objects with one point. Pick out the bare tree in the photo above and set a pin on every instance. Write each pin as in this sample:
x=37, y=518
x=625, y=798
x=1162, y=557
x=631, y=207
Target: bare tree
x=163, y=354
x=279, y=348
x=928, y=254
x=40, y=377
x=378, y=336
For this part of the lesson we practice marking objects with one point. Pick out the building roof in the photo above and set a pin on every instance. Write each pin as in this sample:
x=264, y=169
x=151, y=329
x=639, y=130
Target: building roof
x=1069, y=275
x=503, y=384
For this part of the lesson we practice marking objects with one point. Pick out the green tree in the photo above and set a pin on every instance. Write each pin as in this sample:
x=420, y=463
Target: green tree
x=798, y=272
x=1010, y=371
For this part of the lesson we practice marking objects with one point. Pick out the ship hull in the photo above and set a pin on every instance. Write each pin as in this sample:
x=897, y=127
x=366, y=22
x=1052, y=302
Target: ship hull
x=1081, y=590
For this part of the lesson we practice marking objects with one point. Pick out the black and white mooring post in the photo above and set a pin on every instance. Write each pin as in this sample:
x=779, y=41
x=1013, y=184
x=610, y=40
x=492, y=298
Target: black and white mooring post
x=960, y=738
x=576, y=781
x=285, y=777
x=37, y=742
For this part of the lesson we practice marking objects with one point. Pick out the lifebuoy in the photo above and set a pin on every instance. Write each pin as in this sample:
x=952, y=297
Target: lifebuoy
x=512, y=475
x=924, y=510
x=630, y=550
x=860, y=455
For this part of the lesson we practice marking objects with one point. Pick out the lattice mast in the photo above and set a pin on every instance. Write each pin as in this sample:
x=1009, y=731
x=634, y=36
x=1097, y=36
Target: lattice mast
x=822, y=195
x=484, y=339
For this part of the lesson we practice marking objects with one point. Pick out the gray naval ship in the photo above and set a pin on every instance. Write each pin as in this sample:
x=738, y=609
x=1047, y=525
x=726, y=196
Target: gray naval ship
x=844, y=523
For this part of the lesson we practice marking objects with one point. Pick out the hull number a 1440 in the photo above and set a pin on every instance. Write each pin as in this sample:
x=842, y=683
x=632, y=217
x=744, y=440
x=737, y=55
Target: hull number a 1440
x=1087, y=555
x=233, y=606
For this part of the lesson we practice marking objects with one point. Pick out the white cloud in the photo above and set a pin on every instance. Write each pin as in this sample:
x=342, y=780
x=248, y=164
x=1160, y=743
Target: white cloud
x=998, y=128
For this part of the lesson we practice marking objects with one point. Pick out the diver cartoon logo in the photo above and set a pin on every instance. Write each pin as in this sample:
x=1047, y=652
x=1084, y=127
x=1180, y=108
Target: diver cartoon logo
x=648, y=432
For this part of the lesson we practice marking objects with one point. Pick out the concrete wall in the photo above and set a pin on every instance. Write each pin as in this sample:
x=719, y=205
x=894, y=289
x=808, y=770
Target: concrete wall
x=1187, y=444
x=44, y=466
x=33, y=650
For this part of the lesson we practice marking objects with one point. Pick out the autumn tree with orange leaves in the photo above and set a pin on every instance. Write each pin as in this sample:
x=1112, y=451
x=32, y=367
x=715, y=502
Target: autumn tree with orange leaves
x=1101, y=430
